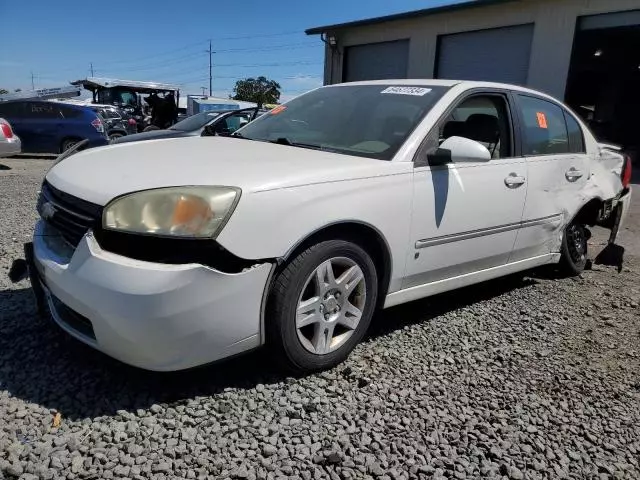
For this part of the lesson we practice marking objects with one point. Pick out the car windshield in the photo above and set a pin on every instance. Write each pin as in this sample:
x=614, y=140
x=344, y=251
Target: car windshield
x=364, y=120
x=194, y=122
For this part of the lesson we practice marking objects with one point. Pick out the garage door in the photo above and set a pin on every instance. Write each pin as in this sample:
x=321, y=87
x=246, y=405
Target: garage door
x=376, y=61
x=497, y=55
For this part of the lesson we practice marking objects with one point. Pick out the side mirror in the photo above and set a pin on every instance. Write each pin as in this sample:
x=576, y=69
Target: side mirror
x=458, y=150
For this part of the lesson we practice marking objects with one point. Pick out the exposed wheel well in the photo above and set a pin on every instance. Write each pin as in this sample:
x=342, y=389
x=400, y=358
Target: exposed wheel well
x=589, y=214
x=363, y=235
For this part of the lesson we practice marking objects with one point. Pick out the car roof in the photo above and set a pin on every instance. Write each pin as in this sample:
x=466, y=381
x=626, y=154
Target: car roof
x=464, y=84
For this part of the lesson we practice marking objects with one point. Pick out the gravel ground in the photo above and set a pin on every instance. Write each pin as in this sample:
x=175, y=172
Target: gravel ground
x=524, y=377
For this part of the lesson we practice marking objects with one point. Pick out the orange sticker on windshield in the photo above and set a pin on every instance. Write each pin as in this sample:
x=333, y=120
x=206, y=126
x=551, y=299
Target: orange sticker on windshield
x=278, y=109
x=542, y=120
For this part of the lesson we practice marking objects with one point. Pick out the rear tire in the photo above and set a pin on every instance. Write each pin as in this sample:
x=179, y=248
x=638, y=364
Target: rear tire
x=573, y=251
x=115, y=136
x=321, y=305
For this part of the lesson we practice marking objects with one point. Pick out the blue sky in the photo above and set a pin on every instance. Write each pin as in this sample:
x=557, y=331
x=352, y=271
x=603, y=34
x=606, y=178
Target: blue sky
x=166, y=40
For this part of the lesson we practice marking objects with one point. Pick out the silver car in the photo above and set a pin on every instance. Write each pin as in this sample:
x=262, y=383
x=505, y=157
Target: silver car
x=9, y=142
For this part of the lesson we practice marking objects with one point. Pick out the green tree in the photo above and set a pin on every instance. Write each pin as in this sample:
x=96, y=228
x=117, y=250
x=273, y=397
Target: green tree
x=18, y=90
x=257, y=90
x=3, y=91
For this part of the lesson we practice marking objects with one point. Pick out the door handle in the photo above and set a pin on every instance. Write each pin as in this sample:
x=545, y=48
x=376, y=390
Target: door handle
x=573, y=174
x=514, y=180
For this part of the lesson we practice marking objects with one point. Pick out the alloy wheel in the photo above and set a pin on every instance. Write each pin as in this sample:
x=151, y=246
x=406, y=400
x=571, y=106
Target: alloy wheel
x=577, y=242
x=330, y=306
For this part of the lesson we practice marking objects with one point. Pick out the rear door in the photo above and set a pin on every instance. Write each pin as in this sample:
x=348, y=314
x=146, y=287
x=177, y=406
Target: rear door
x=45, y=123
x=558, y=166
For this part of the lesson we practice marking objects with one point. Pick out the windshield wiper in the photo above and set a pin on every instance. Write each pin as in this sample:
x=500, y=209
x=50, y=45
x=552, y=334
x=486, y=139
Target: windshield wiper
x=312, y=146
x=239, y=135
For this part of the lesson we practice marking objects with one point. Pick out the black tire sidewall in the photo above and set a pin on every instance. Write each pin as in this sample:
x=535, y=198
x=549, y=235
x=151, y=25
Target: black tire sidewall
x=67, y=144
x=567, y=264
x=286, y=295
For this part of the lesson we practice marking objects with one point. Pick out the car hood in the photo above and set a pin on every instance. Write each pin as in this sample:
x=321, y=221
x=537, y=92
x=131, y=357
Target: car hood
x=153, y=134
x=101, y=174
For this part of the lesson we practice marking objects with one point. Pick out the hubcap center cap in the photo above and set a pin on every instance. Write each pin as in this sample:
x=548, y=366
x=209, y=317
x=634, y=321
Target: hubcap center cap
x=330, y=303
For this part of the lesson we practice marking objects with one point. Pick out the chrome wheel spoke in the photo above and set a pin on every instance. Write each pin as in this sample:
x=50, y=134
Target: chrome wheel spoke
x=322, y=338
x=308, y=312
x=350, y=278
x=351, y=316
x=325, y=278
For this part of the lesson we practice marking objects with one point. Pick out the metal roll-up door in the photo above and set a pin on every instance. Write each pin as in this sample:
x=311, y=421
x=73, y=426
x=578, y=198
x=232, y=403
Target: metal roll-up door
x=376, y=61
x=496, y=55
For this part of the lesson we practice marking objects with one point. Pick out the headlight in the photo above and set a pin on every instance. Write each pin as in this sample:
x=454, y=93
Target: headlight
x=196, y=212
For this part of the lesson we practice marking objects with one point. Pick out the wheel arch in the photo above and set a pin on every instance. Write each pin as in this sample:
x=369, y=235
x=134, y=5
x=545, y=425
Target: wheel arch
x=589, y=212
x=66, y=138
x=361, y=233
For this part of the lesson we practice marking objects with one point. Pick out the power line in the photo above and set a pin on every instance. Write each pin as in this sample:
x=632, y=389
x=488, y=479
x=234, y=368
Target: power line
x=268, y=48
x=260, y=35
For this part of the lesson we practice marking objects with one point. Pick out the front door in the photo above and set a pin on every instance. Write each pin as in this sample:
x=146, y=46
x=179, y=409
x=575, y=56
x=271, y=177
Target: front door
x=558, y=166
x=466, y=215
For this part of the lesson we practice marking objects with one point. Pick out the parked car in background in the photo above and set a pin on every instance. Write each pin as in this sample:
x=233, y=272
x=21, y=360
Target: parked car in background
x=219, y=122
x=9, y=142
x=52, y=127
x=296, y=228
x=117, y=122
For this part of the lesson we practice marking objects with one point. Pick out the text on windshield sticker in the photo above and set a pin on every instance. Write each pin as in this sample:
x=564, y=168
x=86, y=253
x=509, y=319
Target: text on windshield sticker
x=416, y=91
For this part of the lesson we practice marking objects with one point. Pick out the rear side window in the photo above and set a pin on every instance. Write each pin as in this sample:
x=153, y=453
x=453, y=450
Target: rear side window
x=43, y=110
x=576, y=136
x=544, y=129
x=11, y=110
x=68, y=112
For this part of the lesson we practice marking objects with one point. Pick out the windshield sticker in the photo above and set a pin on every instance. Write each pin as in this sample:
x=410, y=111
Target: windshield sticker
x=416, y=91
x=542, y=120
x=278, y=109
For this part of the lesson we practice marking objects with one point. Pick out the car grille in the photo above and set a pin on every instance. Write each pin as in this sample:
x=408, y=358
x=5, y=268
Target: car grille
x=72, y=217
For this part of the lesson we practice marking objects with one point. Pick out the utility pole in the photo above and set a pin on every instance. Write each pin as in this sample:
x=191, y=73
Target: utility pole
x=210, y=52
x=32, y=84
x=91, y=64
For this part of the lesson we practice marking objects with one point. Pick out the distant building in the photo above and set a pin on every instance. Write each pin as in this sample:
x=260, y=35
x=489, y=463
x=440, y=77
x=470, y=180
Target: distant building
x=586, y=52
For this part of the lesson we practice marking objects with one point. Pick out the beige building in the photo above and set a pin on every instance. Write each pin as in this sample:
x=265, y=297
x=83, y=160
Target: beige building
x=586, y=52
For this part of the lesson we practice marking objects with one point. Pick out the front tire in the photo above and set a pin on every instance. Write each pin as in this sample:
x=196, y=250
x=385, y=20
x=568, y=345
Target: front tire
x=321, y=305
x=573, y=251
x=68, y=143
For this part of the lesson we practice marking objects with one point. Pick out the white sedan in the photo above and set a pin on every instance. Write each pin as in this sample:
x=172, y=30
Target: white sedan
x=9, y=142
x=175, y=253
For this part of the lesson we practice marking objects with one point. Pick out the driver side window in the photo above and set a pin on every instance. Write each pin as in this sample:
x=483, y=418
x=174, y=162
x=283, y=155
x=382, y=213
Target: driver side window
x=484, y=119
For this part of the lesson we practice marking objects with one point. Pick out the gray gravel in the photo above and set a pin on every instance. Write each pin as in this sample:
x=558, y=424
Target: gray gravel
x=525, y=377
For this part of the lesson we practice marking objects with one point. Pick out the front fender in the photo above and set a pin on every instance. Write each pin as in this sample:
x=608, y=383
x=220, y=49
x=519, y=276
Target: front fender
x=269, y=224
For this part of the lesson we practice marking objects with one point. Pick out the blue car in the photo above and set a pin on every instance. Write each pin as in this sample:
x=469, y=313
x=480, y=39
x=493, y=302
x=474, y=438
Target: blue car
x=50, y=127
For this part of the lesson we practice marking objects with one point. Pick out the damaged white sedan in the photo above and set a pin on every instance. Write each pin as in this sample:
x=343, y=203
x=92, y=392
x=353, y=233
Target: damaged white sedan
x=292, y=231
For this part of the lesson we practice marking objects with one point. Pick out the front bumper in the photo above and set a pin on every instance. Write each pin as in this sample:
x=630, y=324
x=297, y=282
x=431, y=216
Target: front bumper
x=150, y=315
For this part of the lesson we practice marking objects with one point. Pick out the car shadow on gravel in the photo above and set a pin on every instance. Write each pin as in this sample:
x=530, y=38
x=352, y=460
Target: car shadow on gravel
x=41, y=364
x=427, y=309
x=4, y=167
